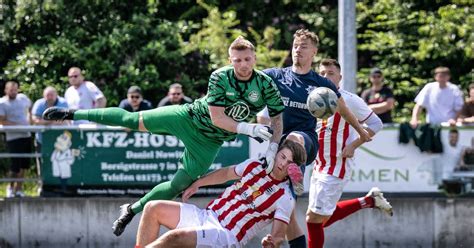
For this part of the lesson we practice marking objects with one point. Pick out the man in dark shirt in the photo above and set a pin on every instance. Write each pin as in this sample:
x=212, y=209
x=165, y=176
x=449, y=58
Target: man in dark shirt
x=467, y=111
x=135, y=101
x=379, y=97
x=175, y=96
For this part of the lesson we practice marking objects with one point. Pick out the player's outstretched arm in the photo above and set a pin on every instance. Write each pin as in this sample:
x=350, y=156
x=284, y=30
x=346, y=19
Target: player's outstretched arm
x=277, y=236
x=351, y=119
x=374, y=125
x=216, y=177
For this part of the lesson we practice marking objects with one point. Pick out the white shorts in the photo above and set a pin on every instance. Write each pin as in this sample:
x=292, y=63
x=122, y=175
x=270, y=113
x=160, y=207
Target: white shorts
x=210, y=233
x=324, y=193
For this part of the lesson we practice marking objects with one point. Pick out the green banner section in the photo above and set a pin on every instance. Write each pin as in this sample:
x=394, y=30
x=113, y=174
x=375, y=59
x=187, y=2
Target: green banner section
x=81, y=158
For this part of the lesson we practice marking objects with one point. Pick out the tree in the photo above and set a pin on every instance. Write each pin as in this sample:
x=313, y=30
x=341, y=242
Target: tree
x=408, y=39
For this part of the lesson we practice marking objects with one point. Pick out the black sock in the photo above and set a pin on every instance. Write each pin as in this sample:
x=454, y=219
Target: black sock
x=299, y=242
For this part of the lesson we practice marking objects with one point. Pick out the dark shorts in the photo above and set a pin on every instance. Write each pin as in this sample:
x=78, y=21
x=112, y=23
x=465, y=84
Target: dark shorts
x=22, y=145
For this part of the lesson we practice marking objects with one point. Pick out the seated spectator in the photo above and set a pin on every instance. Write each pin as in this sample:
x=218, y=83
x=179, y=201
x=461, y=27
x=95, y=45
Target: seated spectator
x=451, y=154
x=441, y=99
x=15, y=110
x=379, y=97
x=467, y=111
x=82, y=94
x=175, y=96
x=50, y=99
x=134, y=101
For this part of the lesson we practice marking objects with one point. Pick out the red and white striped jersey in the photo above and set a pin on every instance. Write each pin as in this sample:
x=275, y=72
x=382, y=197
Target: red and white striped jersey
x=253, y=202
x=333, y=135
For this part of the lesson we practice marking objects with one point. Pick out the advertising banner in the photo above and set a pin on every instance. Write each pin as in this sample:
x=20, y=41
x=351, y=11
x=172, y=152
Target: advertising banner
x=397, y=167
x=117, y=162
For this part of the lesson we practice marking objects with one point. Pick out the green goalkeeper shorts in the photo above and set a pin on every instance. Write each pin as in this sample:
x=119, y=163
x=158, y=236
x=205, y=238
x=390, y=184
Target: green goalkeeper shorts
x=200, y=151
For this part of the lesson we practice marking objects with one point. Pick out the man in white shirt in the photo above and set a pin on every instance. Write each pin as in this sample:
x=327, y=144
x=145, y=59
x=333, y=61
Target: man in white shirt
x=82, y=94
x=15, y=110
x=442, y=100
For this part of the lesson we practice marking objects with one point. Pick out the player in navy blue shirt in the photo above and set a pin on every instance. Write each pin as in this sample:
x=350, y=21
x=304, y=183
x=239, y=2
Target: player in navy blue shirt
x=295, y=83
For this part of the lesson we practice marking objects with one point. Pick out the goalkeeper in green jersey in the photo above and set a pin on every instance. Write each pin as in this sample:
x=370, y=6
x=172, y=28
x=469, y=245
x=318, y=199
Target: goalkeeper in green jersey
x=236, y=93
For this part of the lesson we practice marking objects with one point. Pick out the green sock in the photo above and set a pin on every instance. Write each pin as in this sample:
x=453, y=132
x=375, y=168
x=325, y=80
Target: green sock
x=165, y=191
x=109, y=116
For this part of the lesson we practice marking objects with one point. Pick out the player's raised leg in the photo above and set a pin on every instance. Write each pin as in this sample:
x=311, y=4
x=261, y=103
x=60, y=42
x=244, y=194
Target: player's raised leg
x=373, y=199
x=106, y=116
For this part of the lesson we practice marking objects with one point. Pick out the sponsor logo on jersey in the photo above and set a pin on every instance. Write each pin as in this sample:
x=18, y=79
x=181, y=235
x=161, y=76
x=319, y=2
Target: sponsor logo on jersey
x=269, y=191
x=238, y=111
x=230, y=93
x=253, y=96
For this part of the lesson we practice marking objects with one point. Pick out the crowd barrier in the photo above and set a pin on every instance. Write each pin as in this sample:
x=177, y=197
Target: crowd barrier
x=102, y=160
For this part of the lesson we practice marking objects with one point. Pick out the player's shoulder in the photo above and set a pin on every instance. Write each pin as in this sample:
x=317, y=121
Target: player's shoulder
x=351, y=98
x=288, y=197
x=322, y=81
x=261, y=75
x=277, y=70
x=223, y=70
x=248, y=165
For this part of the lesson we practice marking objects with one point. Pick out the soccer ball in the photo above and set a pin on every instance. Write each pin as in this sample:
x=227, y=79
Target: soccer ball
x=322, y=102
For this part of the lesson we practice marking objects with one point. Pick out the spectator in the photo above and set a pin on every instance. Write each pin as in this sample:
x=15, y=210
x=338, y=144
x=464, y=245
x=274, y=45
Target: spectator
x=135, y=101
x=175, y=96
x=467, y=111
x=467, y=157
x=451, y=155
x=50, y=99
x=379, y=97
x=441, y=99
x=14, y=110
x=82, y=94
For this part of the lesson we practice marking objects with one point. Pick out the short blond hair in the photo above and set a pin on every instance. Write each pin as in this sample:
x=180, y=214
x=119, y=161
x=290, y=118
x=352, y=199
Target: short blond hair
x=303, y=34
x=241, y=44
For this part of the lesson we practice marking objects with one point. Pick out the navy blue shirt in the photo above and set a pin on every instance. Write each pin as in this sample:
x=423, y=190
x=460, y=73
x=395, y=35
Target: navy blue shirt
x=144, y=105
x=294, y=90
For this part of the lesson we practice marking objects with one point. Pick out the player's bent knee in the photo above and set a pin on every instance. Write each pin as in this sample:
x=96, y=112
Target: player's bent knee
x=315, y=218
x=152, y=208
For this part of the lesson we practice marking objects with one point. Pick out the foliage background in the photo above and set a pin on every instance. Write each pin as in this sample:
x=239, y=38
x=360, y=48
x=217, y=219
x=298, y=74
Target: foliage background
x=155, y=43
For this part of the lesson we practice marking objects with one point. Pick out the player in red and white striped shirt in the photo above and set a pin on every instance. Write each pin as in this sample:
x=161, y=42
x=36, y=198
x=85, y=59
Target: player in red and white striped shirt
x=334, y=161
x=246, y=207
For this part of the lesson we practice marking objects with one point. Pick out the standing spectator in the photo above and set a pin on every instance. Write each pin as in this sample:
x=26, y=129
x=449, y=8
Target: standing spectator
x=175, y=96
x=379, y=97
x=135, y=101
x=50, y=99
x=14, y=110
x=82, y=94
x=441, y=99
x=467, y=111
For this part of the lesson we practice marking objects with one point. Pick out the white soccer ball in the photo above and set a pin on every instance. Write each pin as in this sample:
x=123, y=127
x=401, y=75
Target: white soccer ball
x=322, y=102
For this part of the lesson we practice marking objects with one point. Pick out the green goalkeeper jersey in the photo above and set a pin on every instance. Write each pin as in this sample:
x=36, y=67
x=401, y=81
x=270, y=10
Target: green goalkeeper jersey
x=242, y=100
